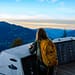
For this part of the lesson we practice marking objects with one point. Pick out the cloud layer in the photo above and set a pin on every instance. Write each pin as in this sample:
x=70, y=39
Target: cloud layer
x=37, y=16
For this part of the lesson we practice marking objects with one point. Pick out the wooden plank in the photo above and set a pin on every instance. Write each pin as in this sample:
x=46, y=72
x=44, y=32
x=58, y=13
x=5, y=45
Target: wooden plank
x=67, y=69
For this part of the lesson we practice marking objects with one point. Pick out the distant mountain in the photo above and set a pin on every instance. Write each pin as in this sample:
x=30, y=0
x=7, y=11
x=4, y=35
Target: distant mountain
x=54, y=33
x=10, y=32
x=70, y=32
x=59, y=33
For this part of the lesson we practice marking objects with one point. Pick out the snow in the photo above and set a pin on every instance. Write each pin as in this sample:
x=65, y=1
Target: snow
x=20, y=51
x=14, y=53
x=63, y=39
x=5, y=62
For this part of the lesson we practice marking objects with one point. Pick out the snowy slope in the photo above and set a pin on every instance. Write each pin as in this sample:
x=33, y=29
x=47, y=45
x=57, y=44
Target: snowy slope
x=12, y=57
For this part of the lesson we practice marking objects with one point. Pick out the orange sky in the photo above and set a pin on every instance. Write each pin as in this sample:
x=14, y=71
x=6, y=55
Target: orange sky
x=40, y=24
x=34, y=25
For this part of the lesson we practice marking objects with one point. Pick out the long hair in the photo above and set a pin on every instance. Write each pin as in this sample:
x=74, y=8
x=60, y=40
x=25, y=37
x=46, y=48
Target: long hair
x=41, y=34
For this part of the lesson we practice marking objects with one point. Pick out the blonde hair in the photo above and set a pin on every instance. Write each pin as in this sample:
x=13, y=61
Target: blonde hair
x=41, y=34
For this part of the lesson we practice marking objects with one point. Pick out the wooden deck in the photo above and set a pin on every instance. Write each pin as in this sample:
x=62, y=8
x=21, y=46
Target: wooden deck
x=67, y=69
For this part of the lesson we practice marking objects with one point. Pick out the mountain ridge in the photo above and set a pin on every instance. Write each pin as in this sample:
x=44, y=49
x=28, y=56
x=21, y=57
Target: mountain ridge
x=10, y=32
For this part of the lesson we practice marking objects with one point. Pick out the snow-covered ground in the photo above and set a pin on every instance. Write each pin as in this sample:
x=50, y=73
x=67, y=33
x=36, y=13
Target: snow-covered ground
x=12, y=57
x=10, y=60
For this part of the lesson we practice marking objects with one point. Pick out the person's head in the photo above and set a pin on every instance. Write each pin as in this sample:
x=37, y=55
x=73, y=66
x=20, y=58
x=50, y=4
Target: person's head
x=41, y=34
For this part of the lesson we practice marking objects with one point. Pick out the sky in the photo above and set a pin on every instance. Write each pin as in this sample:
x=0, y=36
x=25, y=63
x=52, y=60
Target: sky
x=37, y=9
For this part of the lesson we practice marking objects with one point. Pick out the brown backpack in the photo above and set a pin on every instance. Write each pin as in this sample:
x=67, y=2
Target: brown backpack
x=48, y=53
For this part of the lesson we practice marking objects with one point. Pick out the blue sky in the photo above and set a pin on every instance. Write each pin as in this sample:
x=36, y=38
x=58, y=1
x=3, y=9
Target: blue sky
x=37, y=9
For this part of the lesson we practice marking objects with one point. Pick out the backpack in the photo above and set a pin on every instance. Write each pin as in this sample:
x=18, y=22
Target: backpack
x=48, y=53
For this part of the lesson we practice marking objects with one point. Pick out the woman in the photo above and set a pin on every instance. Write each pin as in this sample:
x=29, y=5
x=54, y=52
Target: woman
x=45, y=50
